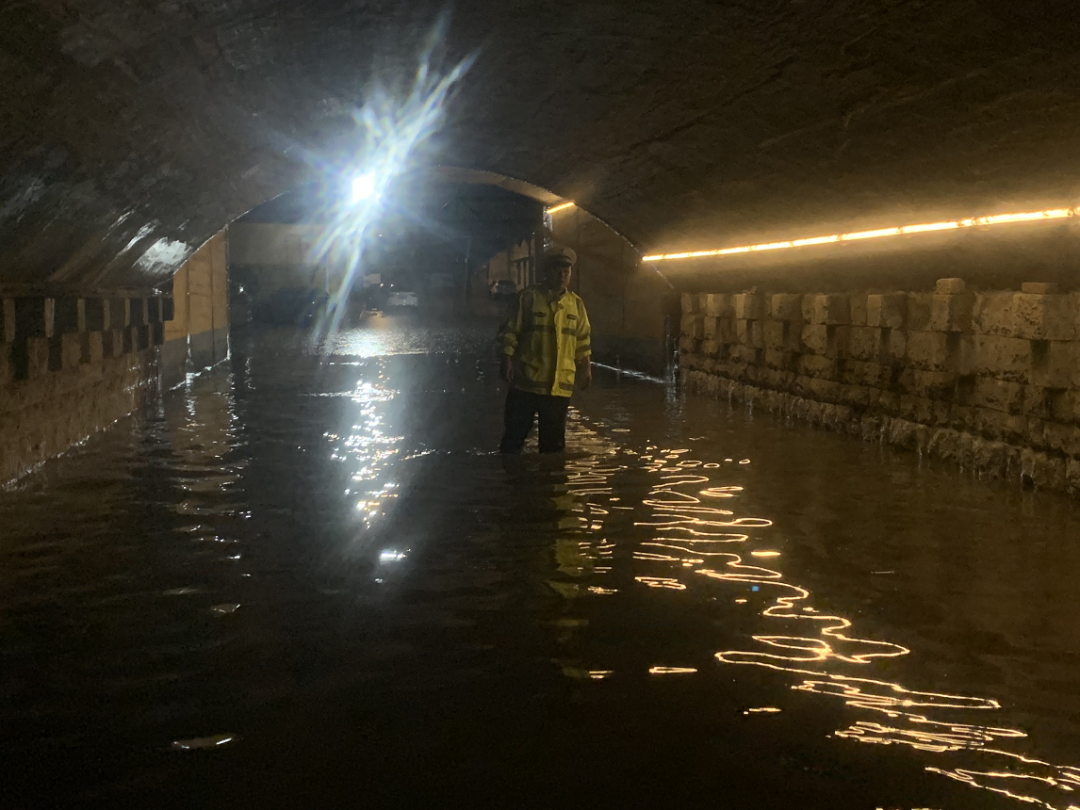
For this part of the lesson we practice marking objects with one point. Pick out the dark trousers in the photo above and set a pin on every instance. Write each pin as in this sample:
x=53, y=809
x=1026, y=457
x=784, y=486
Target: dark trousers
x=522, y=408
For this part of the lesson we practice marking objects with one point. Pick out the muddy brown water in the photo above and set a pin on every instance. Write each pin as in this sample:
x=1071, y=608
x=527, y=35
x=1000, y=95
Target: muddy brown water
x=307, y=580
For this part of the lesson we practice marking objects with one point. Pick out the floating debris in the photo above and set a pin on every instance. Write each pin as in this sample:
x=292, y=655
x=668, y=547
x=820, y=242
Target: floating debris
x=203, y=743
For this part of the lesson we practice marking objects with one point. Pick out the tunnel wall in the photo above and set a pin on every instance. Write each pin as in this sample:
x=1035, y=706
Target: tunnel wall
x=72, y=366
x=270, y=256
x=198, y=335
x=990, y=380
x=69, y=367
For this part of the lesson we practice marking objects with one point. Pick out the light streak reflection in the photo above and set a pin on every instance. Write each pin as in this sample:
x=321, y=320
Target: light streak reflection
x=563, y=207
x=822, y=650
x=692, y=547
x=371, y=453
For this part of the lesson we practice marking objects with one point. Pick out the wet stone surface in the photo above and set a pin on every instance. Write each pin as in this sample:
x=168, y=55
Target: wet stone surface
x=309, y=580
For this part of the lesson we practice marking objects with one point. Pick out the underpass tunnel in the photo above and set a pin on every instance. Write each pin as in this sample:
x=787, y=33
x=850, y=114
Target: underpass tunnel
x=257, y=543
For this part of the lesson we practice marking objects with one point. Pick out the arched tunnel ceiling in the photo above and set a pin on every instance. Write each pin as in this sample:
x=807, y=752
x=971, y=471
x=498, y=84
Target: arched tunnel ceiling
x=131, y=131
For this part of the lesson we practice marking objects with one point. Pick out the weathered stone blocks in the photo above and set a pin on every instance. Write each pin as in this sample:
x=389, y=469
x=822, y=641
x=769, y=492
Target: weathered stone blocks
x=928, y=351
x=70, y=351
x=693, y=326
x=993, y=314
x=750, y=333
x=813, y=365
x=1042, y=470
x=749, y=306
x=775, y=334
x=787, y=307
x=886, y=310
x=934, y=384
x=1054, y=436
x=1008, y=358
x=894, y=342
x=815, y=337
x=1064, y=406
x=950, y=286
x=717, y=305
x=919, y=307
x=865, y=343
x=858, y=307
x=998, y=395
x=831, y=310
x=869, y=374
x=779, y=359
x=689, y=302
x=974, y=377
x=1039, y=288
x=741, y=353
x=951, y=313
x=37, y=357
x=827, y=341
x=1044, y=317
x=726, y=327
x=1055, y=364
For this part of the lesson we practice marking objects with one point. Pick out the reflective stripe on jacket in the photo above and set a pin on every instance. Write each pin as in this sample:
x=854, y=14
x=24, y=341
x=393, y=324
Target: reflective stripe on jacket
x=547, y=334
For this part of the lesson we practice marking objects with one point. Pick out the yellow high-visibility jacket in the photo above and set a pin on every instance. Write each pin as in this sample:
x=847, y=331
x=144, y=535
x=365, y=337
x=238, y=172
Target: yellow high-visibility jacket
x=547, y=334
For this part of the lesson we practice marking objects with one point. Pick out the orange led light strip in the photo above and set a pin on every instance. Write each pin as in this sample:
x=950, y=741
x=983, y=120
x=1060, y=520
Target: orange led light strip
x=999, y=219
x=559, y=208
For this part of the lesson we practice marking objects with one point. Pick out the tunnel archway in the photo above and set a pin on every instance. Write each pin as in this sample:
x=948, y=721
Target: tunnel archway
x=131, y=135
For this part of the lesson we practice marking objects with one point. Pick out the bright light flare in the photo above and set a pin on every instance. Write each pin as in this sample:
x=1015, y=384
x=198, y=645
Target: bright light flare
x=395, y=126
x=363, y=187
x=901, y=230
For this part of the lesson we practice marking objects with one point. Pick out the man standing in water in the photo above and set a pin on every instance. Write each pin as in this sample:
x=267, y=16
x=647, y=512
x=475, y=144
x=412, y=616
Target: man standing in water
x=545, y=343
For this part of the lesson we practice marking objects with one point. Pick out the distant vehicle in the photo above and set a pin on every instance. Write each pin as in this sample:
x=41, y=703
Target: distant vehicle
x=399, y=299
x=293, y=305
x=503, y=289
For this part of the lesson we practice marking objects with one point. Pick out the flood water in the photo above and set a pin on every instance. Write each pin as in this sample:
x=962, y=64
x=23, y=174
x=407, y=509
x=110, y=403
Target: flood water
x=308, y=581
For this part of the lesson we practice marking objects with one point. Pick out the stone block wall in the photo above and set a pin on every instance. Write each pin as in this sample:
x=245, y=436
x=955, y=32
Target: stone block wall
x=197, y=336
x=990, y=380
x=69, y=366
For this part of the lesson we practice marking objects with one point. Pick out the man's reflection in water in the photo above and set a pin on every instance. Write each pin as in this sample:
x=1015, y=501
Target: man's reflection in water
x=564, y=499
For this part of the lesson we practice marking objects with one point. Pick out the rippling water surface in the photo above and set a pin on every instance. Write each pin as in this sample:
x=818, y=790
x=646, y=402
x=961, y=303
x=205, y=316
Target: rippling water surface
x=306, y=580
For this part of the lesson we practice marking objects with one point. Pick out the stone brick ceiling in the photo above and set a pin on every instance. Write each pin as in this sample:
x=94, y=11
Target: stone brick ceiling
x=132, y=131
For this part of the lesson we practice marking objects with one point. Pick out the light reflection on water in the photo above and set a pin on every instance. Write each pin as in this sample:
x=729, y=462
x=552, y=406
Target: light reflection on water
x=693, y=536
